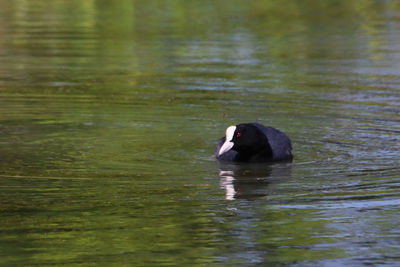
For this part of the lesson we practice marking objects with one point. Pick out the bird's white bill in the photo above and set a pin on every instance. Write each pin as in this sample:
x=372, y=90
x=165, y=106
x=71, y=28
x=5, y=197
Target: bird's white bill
x=228, y=144
x=225, y=147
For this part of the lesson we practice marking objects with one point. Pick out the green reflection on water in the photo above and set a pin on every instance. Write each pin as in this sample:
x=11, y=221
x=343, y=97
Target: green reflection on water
x=110, y=111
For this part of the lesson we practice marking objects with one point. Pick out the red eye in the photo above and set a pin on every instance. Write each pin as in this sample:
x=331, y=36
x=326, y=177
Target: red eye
x=238, y=134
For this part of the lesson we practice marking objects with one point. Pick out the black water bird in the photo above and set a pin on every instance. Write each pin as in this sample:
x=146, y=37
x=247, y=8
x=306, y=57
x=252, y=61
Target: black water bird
x=253, y=142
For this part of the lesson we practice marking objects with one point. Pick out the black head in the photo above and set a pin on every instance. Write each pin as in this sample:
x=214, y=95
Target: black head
x=247, y=140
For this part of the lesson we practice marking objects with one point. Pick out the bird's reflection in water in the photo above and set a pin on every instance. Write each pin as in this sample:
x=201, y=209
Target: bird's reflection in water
x=249, y=181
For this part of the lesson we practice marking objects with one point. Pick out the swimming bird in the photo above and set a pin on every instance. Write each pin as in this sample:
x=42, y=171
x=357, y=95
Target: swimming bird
x=254, y=142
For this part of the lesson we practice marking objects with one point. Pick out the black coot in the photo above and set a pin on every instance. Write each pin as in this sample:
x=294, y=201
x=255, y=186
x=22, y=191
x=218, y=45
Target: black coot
x=253, y=142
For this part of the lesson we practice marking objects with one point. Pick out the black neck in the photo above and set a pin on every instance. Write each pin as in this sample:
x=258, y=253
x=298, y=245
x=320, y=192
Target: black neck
x=260, y=153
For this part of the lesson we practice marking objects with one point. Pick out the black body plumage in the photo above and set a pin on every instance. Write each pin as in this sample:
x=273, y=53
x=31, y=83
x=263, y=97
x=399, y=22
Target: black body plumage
x=253, y=142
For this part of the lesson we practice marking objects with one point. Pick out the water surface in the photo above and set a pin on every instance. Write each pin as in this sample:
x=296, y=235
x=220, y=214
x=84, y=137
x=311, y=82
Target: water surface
x=110, y=112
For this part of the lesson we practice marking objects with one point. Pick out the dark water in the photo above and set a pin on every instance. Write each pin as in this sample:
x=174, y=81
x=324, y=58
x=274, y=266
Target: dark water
x=110, y=111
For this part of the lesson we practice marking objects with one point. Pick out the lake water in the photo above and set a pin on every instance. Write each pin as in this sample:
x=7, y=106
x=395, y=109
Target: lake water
x=110, y=112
